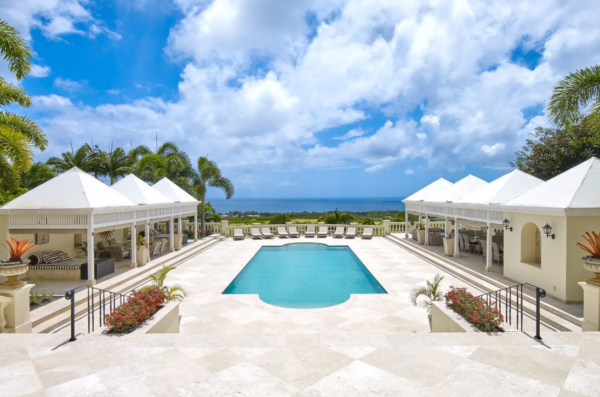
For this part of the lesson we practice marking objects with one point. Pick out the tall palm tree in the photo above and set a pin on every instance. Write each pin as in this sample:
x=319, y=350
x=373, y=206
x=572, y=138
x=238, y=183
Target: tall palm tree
x=168, y=161
x=18, y=134
x=209, y=175
x=37, y=174
x=114, y=164
x=83, y=158
x=579, y=90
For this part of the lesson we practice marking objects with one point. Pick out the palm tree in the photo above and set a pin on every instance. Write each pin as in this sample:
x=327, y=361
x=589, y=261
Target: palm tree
x=173, y=292
x=37, y=174
x=83, y=158
x=432, y=291
x=579, y=90
x=114, y=164
x=209, y=175
x=18, y=134
x=168, y=161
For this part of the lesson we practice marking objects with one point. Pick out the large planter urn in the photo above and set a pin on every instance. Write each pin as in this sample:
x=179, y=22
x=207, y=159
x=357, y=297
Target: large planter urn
x=593, y=265
x=12, y=270
x=142, y=255
x=421, y=236
x=178, y=241
x=449, y=246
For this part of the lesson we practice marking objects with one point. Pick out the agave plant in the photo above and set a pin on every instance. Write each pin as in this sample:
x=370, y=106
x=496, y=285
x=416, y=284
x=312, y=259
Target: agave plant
x=173, y=292
x=432, y=291
x=594, y=241
x=18, y=248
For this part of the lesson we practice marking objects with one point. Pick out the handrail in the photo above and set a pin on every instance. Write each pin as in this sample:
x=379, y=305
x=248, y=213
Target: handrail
x=113, y=298
x=70, y=295
x=495, y=297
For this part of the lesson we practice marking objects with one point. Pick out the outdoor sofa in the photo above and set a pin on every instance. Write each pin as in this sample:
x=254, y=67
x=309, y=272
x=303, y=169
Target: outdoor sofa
x=58, y=265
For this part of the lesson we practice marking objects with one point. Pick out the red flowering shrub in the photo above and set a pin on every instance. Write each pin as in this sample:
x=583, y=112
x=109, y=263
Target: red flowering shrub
x=139, y=307
x=475, y=310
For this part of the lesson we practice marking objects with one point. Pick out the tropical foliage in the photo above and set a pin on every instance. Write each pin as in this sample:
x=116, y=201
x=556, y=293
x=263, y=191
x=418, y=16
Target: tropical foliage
x=431, y=291
x=172, y=292
x=209, y=175
x=19, y=135
x=18, y=248
x=475, y=310
x=594, y=242
x=140, y=306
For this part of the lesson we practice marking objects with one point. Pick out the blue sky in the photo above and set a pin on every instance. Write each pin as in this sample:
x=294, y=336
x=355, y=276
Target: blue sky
x=330, y=98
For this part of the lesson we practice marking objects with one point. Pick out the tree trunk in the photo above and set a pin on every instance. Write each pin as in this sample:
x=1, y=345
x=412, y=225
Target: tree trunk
x=202, y=219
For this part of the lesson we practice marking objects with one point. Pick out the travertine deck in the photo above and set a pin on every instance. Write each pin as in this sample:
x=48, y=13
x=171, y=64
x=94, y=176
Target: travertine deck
x=236, y=345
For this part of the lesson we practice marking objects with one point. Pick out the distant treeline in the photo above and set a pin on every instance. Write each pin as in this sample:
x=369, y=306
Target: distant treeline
x=333, y=217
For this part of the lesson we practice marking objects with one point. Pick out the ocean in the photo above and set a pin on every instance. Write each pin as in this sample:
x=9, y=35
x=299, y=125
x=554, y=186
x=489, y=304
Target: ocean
x=310, y=205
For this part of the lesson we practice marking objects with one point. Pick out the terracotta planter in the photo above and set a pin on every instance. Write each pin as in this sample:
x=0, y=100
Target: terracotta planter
x=12, y=270
x=449, y=246
x=421, y=236
x=593, y=265
x=142, y=255
x=178, y=243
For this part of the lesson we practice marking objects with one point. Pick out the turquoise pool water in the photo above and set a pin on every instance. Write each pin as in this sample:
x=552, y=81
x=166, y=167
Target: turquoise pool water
x=305, y=275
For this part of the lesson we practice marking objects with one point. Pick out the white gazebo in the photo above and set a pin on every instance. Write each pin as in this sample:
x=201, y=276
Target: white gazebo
x=74, y=202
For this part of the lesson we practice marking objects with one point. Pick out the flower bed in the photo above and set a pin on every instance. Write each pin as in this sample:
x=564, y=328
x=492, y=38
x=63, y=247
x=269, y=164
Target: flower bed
x=139, y=307
x=475, y=310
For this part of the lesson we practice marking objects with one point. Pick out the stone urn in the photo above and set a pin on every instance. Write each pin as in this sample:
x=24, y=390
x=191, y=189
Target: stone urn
x=12, y=270
x=421, y=236
x=142, y=255
x=593, y=265
x=449, y=246
x=178, y=243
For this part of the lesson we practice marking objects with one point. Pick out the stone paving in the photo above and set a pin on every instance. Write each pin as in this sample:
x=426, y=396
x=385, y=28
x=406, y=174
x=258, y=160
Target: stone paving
x=236, y=345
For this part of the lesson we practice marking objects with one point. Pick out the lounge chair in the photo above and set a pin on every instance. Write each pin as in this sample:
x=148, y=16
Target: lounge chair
x=165, y=246
x=281, y=232
x=310, y=231
x=267, y=233
x=155, y=248
x=293, y=231
x=322, y=231
x=339, y=232
x=367, y=233
x=238, y=234
x=255, y=233
x=351, y=232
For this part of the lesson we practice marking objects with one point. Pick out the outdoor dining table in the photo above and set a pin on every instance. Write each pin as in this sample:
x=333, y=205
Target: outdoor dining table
x=475, y=240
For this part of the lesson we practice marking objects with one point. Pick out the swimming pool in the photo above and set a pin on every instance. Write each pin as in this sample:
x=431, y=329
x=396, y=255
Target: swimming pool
x=305, y=275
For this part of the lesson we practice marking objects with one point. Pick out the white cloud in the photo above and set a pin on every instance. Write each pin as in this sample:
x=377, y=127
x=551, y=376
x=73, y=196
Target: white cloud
x=39, y=71
x=261, y=84
x=409, y=171
x=351, y=134
x=288, y=183
x=113, y=91
x=68, y=84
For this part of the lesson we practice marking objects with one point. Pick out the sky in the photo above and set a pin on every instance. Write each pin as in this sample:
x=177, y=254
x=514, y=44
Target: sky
x=310, y=98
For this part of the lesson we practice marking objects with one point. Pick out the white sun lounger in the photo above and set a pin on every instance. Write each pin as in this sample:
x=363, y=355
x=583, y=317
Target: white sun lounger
x=281, y=232
x=238, y=234
x=293, y=231
x=267, y=233
x=310, y=231
x=367, y=233
x=351, y=232
x=255, y=233
x=339, y=232
x=322, y=231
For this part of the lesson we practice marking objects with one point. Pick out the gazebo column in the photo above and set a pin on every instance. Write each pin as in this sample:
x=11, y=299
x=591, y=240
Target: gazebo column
x=179, y=225
x=91, y=281
x=488, y=249
x=456, y=237
x=133, y=252
x=147, y=230
x=406, y=224
x=196, y=226
x=446, y=227
x=171, y=236
x=426, y=229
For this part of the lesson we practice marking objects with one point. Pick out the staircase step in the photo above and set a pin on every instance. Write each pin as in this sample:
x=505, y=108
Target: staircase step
x=550, y=315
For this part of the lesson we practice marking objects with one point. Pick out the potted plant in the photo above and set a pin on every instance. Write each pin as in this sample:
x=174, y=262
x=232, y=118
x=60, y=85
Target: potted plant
x=16, y=265
x=420, y=233
x=142, y=250
x=178, y=243
x=449, y=244
x=432, y=293
x=592, y=261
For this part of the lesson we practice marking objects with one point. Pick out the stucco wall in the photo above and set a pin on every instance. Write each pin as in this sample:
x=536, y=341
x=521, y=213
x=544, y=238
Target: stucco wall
x=576, y=227
x=551, y=274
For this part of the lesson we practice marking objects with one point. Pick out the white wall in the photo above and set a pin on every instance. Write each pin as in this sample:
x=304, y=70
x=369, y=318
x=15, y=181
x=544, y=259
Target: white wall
x=576, y=227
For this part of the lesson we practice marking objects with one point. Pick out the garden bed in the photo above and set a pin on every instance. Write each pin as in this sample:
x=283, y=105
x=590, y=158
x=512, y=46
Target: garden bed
x=474, y=310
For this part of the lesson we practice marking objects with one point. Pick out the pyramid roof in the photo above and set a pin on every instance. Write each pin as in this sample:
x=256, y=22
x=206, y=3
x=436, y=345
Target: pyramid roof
x=460, y=189
x=434, y=187
x=174, y=192
x=501, y=190
x=139, y=191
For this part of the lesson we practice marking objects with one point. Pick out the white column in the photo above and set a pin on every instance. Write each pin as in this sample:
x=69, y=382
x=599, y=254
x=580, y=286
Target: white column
x=591, y=307
x=426, y=229
x=196, y=226
x=90, y=258
x=406, y=224
x=386, y=227
x=456, y=237
x=171, y=236
x=133, y=253
x=179, y=225
x=446, y=231
x=147, y=230
x=488, y=248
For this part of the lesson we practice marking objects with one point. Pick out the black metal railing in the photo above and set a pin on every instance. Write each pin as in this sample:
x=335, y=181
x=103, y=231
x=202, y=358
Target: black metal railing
x=511, y=299
x=99, y=303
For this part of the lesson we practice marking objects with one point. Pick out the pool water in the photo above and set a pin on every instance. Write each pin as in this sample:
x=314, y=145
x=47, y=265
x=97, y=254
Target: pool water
x=305, y=275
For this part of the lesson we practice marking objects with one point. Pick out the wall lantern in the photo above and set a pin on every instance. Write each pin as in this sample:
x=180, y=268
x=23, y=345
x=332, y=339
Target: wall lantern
x=548, y=230
x=506, y=223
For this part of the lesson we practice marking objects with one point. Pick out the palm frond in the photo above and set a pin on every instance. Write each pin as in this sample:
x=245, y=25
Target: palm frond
x=10, y=94
x=26, y=127
x=15, y=51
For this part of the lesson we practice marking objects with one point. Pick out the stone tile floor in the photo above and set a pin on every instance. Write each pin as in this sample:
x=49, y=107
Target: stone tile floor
x=236, y=345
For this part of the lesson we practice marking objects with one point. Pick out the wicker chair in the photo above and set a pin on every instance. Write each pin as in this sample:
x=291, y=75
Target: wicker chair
x=155, y=249
x=119, y=252
x=496, y=255
x=102, y=249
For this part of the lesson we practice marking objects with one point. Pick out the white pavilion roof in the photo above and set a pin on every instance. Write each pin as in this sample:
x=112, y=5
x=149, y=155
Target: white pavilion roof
x=433, y=188
x=174, y=192
x=460, y=189
x=73, y=189
x=574, y=189
x=501, y=190
x=139, y=191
